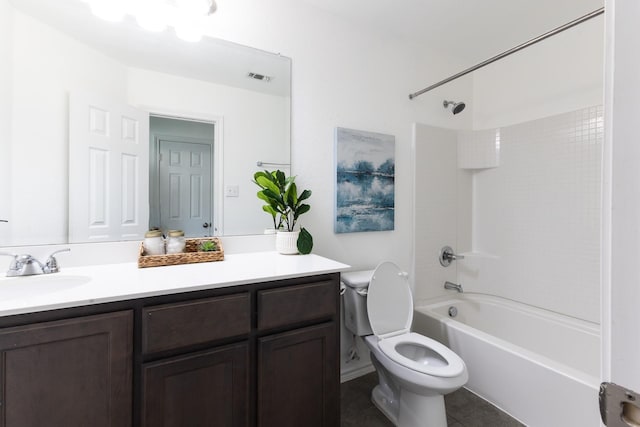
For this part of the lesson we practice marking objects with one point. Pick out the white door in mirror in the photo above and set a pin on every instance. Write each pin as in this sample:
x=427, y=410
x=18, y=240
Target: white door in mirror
x=185, y=187
x=109, y=163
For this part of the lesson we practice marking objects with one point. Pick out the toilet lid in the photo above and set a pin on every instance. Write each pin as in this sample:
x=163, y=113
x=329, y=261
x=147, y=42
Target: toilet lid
x=389, y=302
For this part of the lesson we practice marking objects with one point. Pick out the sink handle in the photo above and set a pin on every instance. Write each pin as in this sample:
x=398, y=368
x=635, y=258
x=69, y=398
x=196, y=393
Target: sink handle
x=13, y=267
x=51, y=265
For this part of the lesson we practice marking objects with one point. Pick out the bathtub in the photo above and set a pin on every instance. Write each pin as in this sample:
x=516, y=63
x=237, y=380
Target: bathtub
x=540, y=367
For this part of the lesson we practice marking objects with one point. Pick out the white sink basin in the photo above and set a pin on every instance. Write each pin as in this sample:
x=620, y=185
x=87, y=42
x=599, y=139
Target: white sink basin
x=40, y=285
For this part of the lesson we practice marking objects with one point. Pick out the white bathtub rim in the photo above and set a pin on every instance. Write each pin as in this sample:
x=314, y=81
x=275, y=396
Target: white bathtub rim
x=540, y=360
x=574, y=322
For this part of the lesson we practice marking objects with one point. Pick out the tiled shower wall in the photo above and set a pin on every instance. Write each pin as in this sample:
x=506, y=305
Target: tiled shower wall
x=535, y=212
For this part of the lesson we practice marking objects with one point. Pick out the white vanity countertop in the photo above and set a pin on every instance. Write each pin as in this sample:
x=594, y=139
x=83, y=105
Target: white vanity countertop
x=79, y=286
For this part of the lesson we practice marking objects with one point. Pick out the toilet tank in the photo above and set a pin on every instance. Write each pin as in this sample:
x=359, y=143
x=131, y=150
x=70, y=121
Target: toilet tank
x=356, y=318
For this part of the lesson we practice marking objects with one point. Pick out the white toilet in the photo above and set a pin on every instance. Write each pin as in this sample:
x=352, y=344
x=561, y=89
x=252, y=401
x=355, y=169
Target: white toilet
x=414, y=372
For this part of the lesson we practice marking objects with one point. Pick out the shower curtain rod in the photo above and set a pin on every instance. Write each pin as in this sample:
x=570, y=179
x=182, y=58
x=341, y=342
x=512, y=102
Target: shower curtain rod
x=512, y=50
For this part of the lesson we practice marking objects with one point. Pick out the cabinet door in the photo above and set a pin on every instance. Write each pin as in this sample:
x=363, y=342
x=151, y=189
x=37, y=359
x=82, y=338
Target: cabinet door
x=208, y=388
x=298, y=378
x=68, y=373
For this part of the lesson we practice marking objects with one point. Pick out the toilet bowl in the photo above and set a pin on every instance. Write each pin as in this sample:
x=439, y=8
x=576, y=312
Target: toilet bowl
x=414, y=371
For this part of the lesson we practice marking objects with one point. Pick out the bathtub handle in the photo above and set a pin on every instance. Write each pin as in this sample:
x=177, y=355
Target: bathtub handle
x=447, y=256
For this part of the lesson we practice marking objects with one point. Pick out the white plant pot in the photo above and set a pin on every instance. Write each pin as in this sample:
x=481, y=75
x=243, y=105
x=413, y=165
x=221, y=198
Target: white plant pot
x=287, y=242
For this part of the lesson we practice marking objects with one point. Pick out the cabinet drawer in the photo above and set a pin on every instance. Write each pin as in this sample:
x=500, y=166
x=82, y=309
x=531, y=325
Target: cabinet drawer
x=295, y=304
x=172, y=326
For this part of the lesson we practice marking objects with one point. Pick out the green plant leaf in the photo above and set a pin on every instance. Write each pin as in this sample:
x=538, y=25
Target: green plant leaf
x=263, y=196
x=267, y=184
x=303, y=208
x=268, y=209
x=305, y=195
x=259, y=174
x=305, y=242
x=273, y=195
x=208, y=246
x=291, y=195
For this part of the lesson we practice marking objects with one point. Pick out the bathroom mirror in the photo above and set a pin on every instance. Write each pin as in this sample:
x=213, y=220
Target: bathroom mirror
x=57, y=50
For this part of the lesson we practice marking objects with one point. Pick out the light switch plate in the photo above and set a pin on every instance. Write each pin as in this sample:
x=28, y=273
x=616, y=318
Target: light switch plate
x=232, y=191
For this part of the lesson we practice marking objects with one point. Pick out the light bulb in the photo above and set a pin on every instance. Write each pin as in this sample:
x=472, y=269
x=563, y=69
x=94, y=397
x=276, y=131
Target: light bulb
x=151, y=14
x=151, y=20
x=195, y=7
x=188, y=27
x=109, y=10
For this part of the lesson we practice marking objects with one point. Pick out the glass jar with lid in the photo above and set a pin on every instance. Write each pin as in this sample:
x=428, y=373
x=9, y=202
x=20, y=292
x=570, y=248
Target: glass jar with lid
x=153, y=243
x=175, y=242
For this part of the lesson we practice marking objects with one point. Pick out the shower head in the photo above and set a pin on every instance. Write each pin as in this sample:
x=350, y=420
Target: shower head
x=457, y=106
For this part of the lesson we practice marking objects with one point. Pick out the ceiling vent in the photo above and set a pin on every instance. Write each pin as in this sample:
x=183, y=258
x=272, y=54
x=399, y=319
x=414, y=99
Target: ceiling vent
x=260, y=77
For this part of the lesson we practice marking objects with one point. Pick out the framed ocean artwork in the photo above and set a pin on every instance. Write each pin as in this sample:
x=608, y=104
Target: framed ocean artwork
x=364, y=186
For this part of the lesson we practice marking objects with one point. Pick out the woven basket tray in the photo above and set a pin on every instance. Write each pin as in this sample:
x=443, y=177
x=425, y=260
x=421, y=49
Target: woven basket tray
x=190, y=256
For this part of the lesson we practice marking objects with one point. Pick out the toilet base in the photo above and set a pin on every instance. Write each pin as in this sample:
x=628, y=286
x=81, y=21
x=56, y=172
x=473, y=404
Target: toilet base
x=387, y=407
x=406, y=409
x=421, y=411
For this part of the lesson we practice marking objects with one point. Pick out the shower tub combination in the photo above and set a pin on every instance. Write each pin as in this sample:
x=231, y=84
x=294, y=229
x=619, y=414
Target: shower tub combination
x=539, y=366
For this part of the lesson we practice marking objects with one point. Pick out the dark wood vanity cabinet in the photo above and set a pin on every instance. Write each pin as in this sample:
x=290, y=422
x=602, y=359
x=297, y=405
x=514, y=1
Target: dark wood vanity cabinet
x=298, y=369
x=208, y=388
x=75, y=372
x=264, y=354
x=297, y=378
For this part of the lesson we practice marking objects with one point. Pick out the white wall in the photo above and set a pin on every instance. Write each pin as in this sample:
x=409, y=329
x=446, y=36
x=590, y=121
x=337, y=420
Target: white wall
x=560, y=74
x=348, y=75
x=236, y=107
x=5, y=118
x=441, y=199
x=351, y=76
x=44, y=74
x=343, y=75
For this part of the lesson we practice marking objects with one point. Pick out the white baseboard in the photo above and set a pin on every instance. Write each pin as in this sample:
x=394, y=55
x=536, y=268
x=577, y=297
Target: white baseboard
x=350, y=374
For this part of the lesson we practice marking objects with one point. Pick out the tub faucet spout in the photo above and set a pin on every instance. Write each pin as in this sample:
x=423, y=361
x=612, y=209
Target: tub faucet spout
x=453, y=286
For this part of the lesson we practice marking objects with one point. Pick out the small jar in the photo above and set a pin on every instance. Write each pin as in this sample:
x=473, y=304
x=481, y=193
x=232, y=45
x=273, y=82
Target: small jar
x=153, y=243
x=175, y=242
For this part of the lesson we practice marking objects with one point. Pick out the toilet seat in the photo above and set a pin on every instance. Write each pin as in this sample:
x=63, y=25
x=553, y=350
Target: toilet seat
x=453, y=364
x=389, y=301
x=390, y=310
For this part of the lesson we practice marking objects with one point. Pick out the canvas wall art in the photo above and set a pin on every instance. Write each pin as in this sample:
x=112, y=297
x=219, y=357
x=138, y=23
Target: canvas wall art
x=365, y=174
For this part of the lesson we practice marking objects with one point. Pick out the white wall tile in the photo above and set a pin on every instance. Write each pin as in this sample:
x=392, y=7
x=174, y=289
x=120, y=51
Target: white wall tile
x=537, y=216
x=478, y=149
x=435, y=202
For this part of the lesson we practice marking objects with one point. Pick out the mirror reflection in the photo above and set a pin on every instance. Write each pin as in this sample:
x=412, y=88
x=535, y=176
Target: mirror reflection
x=76, y=81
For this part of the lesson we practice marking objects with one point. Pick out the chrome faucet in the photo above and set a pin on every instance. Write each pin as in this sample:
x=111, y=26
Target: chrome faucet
x=447, y=256
x=453, y=286
x=27, y=265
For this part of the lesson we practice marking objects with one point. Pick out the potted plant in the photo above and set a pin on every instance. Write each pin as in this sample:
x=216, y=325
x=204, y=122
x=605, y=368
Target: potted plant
x=207, y=246
x=285, y=206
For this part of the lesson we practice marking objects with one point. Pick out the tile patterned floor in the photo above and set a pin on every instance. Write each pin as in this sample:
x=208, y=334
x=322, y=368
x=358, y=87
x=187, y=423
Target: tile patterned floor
x=464, y=409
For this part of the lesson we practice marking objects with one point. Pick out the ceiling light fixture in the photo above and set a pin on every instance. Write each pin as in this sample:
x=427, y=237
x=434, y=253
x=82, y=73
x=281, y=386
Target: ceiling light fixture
x=112, y=11
x=187, y=17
